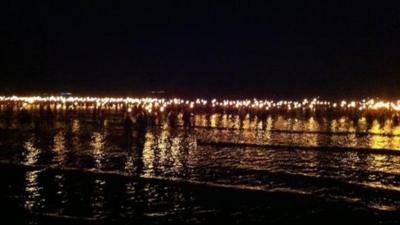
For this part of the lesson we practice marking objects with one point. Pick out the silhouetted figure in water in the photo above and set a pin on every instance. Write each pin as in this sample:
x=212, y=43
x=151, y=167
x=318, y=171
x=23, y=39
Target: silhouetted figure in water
x=36, y=123
x=187, y=122
x=128, y=126
x=396, y=120
x=263, y=119
x=152, y=119
x=94, y=114
x=49, y=116
x=172, y=119
x=354, y=118
x=242, y=117
x=307, y=113
x=141, y=125
x=41, y=111
x=382, y=119
x=369, y=119
x=7, y=116
x=24, y=118
x=98, y=121
x=208, y=119
x=69, y=110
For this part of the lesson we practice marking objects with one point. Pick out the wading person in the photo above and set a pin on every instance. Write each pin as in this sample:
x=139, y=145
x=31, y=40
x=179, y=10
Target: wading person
x=141, y=124
x=24, y=118
x=128, y=126
x=187, y=122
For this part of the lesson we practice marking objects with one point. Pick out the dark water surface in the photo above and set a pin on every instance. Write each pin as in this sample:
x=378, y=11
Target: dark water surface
x=223, y=171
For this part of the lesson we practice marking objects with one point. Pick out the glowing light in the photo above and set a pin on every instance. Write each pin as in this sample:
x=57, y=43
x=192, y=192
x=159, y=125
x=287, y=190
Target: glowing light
x=161, y=104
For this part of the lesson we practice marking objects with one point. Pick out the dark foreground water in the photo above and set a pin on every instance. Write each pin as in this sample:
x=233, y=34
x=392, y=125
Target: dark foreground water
x=290, y=171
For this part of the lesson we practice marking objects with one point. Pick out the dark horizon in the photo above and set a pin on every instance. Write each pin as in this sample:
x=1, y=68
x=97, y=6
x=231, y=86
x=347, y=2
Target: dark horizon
x=202, y=49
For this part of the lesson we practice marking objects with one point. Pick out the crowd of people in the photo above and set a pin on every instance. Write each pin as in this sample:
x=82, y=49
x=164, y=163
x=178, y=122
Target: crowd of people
x=136, y=116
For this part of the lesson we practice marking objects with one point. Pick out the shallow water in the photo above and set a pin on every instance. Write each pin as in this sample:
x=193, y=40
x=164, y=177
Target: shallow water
x=224, y=170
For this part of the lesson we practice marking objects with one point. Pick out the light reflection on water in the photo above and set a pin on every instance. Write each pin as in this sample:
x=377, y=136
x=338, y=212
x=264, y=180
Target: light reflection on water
x=167, y=146
x=33, y=198
x=174, y=153
x=97, y=144
x=31, y=152
x=59, y=148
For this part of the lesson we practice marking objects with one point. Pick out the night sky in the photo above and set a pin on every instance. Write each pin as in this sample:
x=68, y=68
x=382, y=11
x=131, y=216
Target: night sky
x=187, y=48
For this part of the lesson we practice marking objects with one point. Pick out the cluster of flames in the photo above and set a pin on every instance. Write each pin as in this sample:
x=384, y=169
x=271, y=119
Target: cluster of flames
x=152, y=104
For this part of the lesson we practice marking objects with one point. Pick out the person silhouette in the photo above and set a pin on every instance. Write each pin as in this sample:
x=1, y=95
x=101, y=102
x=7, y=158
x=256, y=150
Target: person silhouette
x=128, y=126
x=24, y=118
x=187, y=122
x=141, y=125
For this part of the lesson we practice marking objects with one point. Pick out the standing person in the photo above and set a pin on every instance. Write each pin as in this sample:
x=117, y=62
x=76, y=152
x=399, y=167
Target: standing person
x=49, y=116
x=187, y=122
x=141, y=125
x=172, y=119
x=24, y=118
x=128, y=125
x=8, y=116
